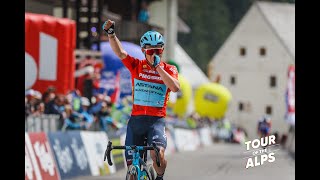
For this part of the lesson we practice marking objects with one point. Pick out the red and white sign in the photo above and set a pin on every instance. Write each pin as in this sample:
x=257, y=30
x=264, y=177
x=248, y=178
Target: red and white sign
x=290, y=95
x=49, y=52
x=31, y=165
x=42, y=157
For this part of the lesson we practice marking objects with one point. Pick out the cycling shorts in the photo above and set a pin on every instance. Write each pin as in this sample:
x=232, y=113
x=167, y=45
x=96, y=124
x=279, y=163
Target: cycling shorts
x=141, y=127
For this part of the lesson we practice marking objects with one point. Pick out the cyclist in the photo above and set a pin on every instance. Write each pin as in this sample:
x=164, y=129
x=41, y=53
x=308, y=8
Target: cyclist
x=264, y=126
x=152, y=81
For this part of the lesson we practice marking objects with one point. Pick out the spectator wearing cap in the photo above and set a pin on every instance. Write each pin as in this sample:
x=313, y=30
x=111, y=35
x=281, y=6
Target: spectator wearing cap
x=104, y=114
x=30, y=95
x=84, y=111
x=38, y=104
x=97, y=104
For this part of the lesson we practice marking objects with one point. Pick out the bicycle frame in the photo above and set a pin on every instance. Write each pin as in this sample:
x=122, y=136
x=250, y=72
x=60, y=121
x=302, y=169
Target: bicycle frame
x=137, y=161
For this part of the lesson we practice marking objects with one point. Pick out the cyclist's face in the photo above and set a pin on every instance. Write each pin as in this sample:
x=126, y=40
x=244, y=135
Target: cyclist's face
x=150, y=51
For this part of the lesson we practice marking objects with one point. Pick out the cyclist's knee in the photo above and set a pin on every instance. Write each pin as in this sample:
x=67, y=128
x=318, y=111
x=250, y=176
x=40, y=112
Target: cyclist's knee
x=161, y=154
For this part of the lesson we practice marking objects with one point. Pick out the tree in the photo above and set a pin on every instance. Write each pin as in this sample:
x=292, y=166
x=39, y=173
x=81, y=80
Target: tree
x=211, y=22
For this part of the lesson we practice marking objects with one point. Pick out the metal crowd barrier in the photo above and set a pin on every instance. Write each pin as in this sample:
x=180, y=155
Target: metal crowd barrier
x=42, y=123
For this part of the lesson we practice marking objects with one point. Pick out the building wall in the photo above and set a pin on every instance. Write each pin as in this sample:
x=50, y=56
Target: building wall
x=253, y=72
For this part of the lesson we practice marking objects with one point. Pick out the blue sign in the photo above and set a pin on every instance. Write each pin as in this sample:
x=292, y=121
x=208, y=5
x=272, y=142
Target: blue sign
x=70, y=154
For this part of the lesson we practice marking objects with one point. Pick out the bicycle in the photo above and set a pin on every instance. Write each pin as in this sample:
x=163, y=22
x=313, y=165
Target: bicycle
x=139, y=168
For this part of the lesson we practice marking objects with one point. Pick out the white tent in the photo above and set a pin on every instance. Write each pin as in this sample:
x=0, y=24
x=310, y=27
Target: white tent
x=188, y=68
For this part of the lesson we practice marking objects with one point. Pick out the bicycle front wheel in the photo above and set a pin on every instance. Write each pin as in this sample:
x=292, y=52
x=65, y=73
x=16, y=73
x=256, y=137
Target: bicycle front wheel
x=132, y=173
x=151, y=172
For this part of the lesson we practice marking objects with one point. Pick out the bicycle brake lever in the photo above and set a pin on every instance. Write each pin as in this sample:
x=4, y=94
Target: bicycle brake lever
x=107, y=153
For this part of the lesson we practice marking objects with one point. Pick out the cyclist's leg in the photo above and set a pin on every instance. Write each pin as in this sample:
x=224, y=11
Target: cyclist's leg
x=135, y=136
x=157, y=134
x=132, y=139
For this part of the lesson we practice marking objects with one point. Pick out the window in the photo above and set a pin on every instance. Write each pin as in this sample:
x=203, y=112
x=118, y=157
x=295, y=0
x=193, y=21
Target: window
x=240, y=106
x=263, y=51
x=273, y=81
x=269, y=110
x=232, y=80
x=242, y=51
x=248, y=107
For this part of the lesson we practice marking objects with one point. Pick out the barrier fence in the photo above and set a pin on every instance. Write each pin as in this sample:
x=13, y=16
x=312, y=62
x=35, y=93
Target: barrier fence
x=42, y=123
x=59, y=155
x=63, y=155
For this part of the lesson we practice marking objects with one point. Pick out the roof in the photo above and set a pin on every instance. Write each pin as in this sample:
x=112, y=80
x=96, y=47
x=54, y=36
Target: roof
x=281, y=17
x=188, y=68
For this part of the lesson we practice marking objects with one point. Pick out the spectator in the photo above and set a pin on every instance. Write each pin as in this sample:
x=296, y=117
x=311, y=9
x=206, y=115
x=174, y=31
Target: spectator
x=33, y=102
x=143, y=15
x=239, y=135
x=97, y=105
x=264, y=126
x=56, y=106
x=104, y=114
x=84, y=112
x=48, y=95
x=38, y=104
x=76, y=100
x=73, y=120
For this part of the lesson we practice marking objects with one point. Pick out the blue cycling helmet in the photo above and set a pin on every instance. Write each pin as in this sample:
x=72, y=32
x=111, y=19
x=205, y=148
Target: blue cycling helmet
x=151, y=38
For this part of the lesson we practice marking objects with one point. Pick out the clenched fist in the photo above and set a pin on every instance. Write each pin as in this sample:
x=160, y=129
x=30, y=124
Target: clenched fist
x=108, y=27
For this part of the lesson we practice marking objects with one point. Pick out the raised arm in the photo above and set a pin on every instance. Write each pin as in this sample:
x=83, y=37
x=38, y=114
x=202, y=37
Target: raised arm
x=115, y=44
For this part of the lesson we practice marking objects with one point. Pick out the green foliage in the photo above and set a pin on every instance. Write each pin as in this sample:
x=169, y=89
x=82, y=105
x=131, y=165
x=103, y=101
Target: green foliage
x=211, y=22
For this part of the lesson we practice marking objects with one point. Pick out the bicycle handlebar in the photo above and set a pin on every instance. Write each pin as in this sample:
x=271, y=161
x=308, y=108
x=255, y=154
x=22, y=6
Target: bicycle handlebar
x=110, y=148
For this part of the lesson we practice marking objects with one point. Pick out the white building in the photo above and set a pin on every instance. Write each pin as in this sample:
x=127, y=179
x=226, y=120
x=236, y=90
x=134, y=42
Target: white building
x=253, y=64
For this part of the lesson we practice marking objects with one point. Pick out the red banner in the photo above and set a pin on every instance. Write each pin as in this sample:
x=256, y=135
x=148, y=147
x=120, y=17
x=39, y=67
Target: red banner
x=49, y=52
x=290, y=96
x=43, y=156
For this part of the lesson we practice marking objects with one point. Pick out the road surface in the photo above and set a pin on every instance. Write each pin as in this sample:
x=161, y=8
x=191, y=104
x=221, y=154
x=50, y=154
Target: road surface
x=219, y=162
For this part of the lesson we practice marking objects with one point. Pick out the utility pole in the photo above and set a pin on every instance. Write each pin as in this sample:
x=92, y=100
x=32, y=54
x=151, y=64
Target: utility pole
x=171, y=31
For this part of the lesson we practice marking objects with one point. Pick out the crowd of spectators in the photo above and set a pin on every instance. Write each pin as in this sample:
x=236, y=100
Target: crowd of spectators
x=75, y=111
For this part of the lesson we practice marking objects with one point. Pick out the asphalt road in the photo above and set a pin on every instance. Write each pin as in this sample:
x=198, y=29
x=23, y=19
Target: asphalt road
x=220, y=162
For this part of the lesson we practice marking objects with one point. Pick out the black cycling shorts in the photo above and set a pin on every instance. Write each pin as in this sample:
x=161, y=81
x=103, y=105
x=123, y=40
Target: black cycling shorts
x=141, y=127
